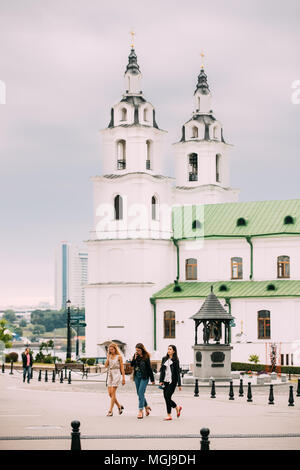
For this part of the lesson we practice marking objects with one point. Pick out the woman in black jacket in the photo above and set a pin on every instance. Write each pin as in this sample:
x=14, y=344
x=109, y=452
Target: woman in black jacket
x=142, y=372
x=169, y=378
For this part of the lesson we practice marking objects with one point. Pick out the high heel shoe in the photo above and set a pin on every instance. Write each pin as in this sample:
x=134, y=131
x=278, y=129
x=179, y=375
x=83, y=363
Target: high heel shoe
x=179, y=409
x=140, y=415
x=147, y=410
x=121, y=409
x=110, y=413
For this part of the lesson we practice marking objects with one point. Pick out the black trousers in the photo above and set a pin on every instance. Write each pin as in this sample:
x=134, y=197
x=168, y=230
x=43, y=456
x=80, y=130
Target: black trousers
x=169, y=389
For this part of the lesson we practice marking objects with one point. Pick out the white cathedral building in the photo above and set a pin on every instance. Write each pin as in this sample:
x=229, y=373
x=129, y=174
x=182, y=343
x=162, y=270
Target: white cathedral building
x=158, y=243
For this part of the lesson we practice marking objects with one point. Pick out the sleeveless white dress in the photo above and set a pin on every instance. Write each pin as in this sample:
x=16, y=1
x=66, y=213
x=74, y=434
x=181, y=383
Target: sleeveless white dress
x=114, y=372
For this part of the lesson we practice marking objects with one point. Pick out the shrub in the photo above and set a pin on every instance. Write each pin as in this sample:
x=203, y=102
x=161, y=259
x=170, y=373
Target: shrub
x=91, y=361
x=13, y=356
x=242, y=366
x=254, y=358
x=83, y=360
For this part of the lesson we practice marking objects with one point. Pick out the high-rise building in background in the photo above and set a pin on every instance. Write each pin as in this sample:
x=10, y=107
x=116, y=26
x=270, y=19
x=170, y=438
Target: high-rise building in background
x=71, y=264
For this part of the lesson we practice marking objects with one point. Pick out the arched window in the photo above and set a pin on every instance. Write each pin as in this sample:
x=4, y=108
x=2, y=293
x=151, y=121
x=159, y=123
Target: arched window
x=218, y=165
x=263, y=324
x=149, y=145
x=169, y=324
x=236, y=268
x=283, y=266
x=123, y=114
x=118, y=205
x=198, y=101
x=154, y=208
x=121, y=154
x=145, y=114
x=194, y=132
x=191, y=269
x=193, y=167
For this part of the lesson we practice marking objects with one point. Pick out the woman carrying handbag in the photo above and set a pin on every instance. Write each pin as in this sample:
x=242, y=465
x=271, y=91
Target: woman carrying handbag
x=169, y=379
x=142, y=372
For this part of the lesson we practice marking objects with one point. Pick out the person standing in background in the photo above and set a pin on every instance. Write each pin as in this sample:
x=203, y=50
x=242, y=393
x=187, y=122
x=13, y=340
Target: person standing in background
x=27, y=364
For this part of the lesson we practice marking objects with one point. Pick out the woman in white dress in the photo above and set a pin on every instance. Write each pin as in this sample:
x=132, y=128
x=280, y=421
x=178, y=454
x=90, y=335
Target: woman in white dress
x=115, y=376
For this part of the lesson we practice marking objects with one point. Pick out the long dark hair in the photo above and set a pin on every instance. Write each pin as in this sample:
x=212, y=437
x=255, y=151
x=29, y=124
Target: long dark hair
x=175, y=356
x=145, y=353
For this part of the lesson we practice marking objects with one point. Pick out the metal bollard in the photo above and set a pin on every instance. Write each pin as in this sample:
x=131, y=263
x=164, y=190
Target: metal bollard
x=213, y=390
x=298, y=389
x=53, y=376
x=291, y=396
x=11, y=368
x=62, y=377
x=3, y=368
x=69, y=379
x=75, y=436
x=204, y=439
x=31, y=374
x=196, y=391
x=249, y=394
x=231, y=392
x=241, y=389
x=40, y=376
x=46, y=376
x=271, y=395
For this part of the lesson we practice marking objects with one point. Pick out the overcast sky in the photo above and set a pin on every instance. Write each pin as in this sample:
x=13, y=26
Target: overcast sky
x=63, y=64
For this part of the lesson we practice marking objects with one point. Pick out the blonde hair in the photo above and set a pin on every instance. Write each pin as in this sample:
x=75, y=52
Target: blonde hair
x=115, y=346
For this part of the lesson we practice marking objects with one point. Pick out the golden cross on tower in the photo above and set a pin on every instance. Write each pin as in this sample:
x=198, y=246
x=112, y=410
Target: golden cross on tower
x=202, y=60
x=132, y=38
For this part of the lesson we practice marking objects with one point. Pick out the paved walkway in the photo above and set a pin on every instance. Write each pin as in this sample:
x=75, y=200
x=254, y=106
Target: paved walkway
x=42, y=409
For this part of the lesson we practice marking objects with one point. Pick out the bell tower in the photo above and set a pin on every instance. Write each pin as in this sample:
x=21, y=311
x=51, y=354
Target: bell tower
x=202, y=154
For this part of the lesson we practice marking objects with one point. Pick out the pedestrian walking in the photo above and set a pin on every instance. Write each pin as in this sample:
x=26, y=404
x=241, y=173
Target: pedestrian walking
x=169, y=379
x=27, y=364
x=115, y=376
x=142, y=372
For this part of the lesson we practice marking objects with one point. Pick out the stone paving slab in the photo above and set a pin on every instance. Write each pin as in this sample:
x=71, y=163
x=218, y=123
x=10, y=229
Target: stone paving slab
x=47, y=409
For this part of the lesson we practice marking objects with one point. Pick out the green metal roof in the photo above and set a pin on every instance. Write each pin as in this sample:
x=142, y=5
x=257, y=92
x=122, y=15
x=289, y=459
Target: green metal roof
x=262, y=218
x=236, y=289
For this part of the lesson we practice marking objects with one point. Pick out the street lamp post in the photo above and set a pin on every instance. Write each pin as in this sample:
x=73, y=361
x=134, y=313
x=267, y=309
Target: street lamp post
x=69, y=346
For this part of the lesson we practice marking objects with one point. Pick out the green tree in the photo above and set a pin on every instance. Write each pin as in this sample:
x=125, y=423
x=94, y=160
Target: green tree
x=4, y=335
x=23, y=323
x=9, y=315
x=39, y=329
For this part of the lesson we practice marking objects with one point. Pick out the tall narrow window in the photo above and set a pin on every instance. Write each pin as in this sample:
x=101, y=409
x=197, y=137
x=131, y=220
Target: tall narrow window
x=154, y=208
x=191, y=269
x=169, y=324
x=283, y=266
x=215, y=132
x=264, y=324
x=145, y=114
x=121, y=154
x=193, y=167
x=149, y=145
x=118, y=204
x=194, y=132
x=236, y=268
x=218, y=162
x=123, y=114
x=198, y=103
